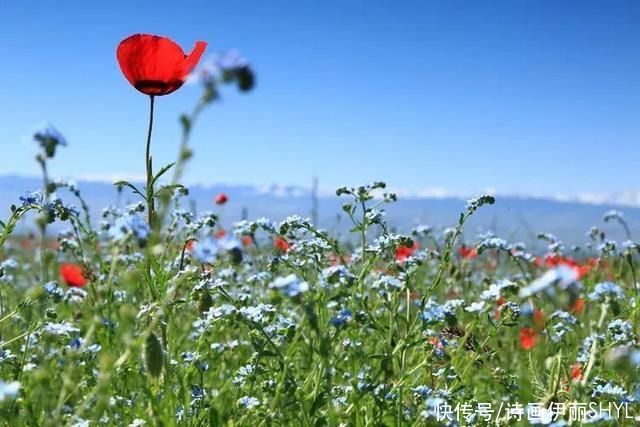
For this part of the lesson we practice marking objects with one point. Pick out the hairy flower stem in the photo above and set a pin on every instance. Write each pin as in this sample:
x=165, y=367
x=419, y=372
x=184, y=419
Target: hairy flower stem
x=446, y=257
x=149, y=164
x=151, y=219
x=634, y=279
x=363, y=233
x=185, y=153
x=9, y=226
x=149, y=194
x=150, y=198
x=604, y=309
x=42, y=223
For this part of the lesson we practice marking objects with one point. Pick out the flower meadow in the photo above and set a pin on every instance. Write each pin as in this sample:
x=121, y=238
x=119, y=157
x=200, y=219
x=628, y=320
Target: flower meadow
x=158, y=315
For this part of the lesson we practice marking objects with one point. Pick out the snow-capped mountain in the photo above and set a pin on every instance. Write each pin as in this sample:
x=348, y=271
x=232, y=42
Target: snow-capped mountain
x=512, y=217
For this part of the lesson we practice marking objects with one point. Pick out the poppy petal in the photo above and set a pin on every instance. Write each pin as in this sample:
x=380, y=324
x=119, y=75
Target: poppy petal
x=194, y=57
x=527, y=338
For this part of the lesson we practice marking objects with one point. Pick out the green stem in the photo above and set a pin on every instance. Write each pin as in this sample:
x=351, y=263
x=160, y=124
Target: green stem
x=183, y=154
x=150, y=196
x=149, y=165
x=363, y=232
x=43, y=223
x=604, y=308
x=446, y=257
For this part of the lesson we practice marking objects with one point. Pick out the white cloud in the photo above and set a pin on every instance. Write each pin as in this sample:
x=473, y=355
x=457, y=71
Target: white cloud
x=623, y=198
x=629, y=198
x=279, y=190
x=110, y=177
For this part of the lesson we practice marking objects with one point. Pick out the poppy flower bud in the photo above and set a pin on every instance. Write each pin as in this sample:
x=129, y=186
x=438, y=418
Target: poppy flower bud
x=154, y=358
x=205, y=302
x=235, y=256
x=245, y=78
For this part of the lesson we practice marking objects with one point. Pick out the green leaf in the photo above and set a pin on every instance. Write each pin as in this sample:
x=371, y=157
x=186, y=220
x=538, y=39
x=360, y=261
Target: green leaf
x=214, y=417
x=162, y=172
x=131, y=186
x=377, y=356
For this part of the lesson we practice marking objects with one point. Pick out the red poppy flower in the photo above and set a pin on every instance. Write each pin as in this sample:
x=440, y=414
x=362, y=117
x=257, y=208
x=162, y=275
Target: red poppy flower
x=221, y=199
x=404, y=252
x=578, y=306
x=468, y=252
x=247, y=240
x=582, y=270
x=281, y=244
x=72, y=275
x=220, y=234
x=156, y=65
x=527, y=338
x=576, y=372
x=555, y=260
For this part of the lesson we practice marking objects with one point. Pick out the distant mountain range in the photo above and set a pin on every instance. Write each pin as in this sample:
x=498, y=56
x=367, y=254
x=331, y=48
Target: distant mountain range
x=513, y=218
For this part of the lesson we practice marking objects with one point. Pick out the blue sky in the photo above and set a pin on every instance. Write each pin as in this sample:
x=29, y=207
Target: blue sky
x=528, y=97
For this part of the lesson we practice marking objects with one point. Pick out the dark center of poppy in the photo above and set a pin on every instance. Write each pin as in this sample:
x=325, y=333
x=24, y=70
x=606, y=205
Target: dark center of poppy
x=157, y=87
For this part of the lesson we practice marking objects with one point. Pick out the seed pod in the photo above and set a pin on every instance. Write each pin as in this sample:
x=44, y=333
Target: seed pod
x=153, y=356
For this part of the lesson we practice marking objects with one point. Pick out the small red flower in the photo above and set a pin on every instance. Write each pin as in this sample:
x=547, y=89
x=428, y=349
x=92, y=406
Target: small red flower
x=247, y=240
x=404, y=252
x=220, y=234
x=221, y=199
x=555, y=260
x=468, y=252
x=72, y=275
x=578, y=306
x=281, y=244
x=437, y=343
x=528, y=338
x=156, y=65
x=576, y=372
x=586, y=267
